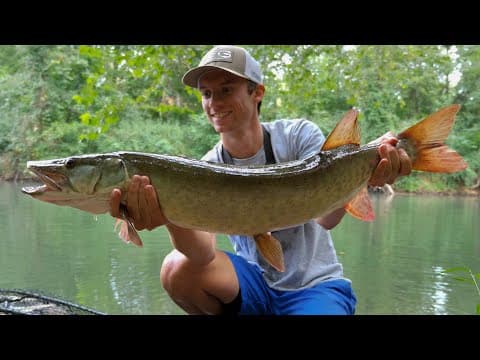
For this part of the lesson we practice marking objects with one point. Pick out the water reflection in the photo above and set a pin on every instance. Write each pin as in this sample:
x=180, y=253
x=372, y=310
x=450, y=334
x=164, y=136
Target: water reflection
x=439, y=291
x=396, y=262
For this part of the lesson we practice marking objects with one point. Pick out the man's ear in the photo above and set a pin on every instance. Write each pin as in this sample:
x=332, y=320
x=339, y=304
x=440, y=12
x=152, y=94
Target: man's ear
x=259, y=92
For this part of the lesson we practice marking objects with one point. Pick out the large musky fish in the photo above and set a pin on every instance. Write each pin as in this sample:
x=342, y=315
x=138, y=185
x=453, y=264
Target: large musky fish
x=254, y=200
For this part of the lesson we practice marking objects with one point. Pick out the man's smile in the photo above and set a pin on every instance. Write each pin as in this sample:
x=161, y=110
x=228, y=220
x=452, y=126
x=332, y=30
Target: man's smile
x=220, y=115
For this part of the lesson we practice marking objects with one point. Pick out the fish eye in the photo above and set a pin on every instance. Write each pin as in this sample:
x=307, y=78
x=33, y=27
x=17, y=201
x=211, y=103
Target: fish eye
x=70, y=163
x=114, y=161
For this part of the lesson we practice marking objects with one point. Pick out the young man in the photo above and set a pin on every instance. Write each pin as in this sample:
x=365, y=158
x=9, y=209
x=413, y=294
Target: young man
x=204, y=280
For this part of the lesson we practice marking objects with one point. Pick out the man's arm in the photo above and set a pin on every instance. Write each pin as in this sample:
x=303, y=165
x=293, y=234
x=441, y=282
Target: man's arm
x=144, y=208
x=393, y=164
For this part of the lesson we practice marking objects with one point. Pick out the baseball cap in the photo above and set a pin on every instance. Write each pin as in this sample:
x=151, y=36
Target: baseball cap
x=233, y=59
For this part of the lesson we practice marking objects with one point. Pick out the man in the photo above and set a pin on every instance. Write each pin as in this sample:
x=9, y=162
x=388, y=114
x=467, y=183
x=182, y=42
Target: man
x=204, y=280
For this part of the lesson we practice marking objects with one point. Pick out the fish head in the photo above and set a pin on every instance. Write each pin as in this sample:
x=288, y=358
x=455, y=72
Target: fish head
x=84, y=182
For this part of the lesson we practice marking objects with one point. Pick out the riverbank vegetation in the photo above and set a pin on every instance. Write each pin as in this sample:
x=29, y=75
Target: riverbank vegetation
x=65, y=100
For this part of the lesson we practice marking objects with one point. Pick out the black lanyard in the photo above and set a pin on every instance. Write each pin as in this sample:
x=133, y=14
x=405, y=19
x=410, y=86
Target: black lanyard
x=267, y=147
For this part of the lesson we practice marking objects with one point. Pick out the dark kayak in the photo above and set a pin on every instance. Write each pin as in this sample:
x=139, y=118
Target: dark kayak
x=20, y=302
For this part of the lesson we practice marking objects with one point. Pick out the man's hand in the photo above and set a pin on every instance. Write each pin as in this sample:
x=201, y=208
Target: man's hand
x=393, y=163
x=142, y=204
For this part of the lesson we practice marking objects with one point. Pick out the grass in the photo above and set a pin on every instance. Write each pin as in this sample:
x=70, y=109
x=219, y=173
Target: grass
x=468, y=276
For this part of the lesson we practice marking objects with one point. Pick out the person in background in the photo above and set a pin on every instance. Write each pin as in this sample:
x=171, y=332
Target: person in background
x=202, y=279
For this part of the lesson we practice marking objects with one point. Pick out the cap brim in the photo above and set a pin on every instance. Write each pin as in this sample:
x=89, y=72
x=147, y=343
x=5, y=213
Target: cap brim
x=191, y=77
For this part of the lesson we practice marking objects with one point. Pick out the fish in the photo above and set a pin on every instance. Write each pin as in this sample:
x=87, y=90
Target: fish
x=250, y=200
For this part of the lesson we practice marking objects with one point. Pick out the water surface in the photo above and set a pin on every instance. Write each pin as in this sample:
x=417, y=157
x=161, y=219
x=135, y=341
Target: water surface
x=396, y=263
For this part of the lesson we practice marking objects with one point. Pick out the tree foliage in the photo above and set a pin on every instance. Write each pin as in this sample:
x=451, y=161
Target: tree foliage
x=59, y=100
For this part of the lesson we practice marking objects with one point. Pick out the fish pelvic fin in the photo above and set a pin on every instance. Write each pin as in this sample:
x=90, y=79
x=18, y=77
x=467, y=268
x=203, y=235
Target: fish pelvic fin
x=360, y=206
x=127, y=232
x=346, y=131
x=427, y=138
x=271, y=250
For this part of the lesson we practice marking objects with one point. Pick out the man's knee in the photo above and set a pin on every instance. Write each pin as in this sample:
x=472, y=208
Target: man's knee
x=199, y=289
x=172, y=270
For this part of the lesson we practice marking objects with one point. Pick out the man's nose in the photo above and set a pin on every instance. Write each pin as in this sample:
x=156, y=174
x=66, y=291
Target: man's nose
x=216, y=97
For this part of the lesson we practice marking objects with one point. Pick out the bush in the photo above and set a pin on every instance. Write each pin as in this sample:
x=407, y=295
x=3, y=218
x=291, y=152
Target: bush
x=190, y=139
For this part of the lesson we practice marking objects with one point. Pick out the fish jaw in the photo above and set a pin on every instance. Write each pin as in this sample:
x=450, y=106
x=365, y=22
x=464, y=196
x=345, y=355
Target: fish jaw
x=94, y=204
x=35, y=190
x=56, y=188
x=51, y=180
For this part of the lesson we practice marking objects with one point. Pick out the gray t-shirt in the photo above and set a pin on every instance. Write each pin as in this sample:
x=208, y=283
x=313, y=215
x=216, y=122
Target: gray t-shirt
x=308, y=249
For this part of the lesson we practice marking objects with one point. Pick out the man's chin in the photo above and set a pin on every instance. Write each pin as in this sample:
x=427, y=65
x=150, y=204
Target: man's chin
x=220, y=128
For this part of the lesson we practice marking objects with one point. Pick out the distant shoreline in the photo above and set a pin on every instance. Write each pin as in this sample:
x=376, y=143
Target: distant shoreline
x=466, y=193
x=459, y=192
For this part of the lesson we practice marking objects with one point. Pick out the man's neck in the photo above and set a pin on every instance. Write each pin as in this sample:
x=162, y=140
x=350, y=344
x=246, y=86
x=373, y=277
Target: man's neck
x=244, y=143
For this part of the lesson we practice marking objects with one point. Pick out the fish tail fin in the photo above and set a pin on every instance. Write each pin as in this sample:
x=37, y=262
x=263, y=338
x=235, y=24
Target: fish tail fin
x=428, y=137
x=360, y=206
x=271, y=250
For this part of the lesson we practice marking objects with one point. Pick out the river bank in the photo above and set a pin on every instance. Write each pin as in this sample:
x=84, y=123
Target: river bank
x=391, y=190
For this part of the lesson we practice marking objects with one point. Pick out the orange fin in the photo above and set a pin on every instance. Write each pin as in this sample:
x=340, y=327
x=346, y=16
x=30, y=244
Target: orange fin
x=127, y=232
x=427, y=138
x=360, y=206
x=271, y=250
x=346, y=131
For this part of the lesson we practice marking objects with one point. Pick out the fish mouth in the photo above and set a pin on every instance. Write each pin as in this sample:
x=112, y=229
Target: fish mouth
x=51, y=181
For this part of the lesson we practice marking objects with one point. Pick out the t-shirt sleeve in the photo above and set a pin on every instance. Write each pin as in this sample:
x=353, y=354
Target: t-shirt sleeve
x=213, y=154
x=307, y=139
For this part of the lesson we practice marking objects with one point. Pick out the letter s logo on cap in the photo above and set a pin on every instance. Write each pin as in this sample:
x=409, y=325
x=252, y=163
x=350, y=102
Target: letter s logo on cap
x=224, y=54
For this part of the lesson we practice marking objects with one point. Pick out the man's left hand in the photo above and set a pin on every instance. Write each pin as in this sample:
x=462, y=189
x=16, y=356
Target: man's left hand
x=394, y=162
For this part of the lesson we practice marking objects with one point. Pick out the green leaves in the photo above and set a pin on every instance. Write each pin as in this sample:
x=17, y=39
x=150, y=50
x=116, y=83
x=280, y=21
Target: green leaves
x=99, y=86
x=469, y=277
x=85, y=118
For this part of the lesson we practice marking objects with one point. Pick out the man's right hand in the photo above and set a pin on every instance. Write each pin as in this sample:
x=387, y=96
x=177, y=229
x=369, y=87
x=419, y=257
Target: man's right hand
x=142, y=204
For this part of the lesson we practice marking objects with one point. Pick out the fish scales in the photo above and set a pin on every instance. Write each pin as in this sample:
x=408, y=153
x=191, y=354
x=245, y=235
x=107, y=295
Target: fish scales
x=253, y=200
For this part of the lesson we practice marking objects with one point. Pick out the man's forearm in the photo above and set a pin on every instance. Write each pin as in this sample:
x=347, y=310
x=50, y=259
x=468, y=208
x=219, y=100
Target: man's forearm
x=198, y=246
x=331, y=220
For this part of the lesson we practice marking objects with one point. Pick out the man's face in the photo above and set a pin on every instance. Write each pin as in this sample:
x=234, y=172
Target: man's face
x=226, y=101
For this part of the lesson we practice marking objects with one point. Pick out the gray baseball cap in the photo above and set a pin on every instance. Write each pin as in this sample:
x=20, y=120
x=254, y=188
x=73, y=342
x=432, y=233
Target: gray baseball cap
x=233, y=59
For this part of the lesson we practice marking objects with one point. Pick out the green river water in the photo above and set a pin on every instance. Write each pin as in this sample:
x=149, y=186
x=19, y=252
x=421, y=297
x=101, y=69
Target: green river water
x=396, y=263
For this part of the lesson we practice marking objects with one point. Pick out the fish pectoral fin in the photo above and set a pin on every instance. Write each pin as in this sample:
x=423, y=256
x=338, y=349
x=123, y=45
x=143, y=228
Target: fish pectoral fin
x=360, y=206
x=127, y=232
x=271, y=249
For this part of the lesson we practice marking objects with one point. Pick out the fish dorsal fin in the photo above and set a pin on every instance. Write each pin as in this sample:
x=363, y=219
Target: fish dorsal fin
x=360, y=206
x=346, y=131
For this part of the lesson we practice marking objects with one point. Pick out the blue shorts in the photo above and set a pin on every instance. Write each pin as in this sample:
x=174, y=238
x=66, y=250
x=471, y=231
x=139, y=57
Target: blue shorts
x=332, y=297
